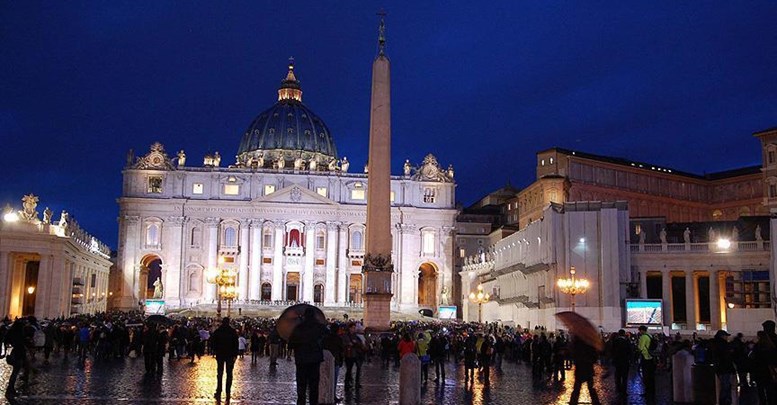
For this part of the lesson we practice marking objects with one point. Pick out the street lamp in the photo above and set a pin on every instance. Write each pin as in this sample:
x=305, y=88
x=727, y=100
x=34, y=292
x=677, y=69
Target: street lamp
x=573, y=286
x=479, y=298
x=224, y=279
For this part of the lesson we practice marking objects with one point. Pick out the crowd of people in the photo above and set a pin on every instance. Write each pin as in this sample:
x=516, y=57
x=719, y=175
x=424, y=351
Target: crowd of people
x=480, y=348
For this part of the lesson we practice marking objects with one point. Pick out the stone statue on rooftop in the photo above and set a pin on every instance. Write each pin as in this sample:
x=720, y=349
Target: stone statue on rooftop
x=47, y=215
x=735, y=234
x=406, y=167
x=758, y=235
x=344, y=165
x=687, y=235
x=662, y=236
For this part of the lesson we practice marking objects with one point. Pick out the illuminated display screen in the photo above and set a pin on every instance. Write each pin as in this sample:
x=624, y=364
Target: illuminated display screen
x=446, y=312
x=643, y=312
x=155, y=307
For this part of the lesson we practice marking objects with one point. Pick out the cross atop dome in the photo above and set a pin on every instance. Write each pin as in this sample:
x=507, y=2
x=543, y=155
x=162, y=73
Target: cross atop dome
x=290, y=88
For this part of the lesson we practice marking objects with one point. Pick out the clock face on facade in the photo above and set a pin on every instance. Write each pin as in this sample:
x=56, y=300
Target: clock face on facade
x=428, y=171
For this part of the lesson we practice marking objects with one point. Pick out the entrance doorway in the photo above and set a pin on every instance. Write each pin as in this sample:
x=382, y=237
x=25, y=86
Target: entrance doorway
x=150, y=271
x=355, y=288
x=318, y=293
x=292, y=286
x=266, y=291
x=427, y=285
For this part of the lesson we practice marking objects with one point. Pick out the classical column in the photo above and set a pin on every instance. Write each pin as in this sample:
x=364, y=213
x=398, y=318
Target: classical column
x=690, y=299
x=342, y=265
x=714, y=300
x=242, y=270
x=212, y=224
x=411, y=246
x=310, y=251
x=130, y=237
x=43, y=288
x=172, y=234
x=642, y=283
x=331, y=257
x=277, y=261
x=666, y=295
x=6, y=268
x=255, y=272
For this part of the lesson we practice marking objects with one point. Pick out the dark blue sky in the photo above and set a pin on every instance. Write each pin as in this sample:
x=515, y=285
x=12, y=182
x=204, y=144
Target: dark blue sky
x=481, y=85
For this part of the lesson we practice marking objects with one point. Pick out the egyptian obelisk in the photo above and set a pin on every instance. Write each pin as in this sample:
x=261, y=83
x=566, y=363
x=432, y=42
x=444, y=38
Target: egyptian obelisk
x=377, y=266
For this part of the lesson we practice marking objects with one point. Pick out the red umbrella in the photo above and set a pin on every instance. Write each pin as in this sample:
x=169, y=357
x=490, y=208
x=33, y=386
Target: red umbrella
x=582, y=328
x=293, y=316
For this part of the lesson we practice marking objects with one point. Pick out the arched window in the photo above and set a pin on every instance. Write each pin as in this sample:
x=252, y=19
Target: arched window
x=320, y=240
x=196, y=236
x=266, y=291
x=152, y=235
x=428, y=243
x=194, y=281
x=267, y=238
x=294, y=238
x=356, y=240
x=230, y=237
x=318, y=293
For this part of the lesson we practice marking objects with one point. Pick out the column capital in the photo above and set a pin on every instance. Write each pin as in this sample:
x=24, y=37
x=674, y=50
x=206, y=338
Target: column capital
x=176, y=221
x=309, y=224
x=245, y=223
x=211, y=222
x=332, y=226
x=132, y=219
x=256, y=222
x=279, y=223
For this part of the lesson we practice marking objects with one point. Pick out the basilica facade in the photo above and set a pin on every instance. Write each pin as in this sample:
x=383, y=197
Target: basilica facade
x=288, y=217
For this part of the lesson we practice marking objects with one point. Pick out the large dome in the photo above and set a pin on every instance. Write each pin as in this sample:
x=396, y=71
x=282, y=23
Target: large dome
x=288, y=134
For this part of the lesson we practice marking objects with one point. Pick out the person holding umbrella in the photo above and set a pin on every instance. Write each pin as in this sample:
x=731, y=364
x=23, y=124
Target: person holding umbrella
x=585, y=346
x=224, y=343
x=307, y=342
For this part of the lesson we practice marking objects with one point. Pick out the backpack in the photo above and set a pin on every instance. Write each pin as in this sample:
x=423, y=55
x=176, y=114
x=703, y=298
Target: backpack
x=653, y=344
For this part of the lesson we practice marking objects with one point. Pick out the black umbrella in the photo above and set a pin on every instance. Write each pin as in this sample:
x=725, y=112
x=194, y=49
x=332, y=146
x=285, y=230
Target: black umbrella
x=159, y=319
x=293, y=316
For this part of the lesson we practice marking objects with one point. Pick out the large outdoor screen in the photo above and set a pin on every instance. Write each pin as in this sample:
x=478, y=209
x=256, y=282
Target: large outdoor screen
x=447, y=312
x=643, y=312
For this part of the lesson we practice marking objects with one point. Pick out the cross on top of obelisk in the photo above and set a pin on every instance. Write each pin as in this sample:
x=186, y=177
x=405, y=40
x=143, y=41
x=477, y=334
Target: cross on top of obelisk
x=382, y=32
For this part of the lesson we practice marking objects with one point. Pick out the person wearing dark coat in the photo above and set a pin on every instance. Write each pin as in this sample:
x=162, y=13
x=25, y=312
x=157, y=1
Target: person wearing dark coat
x=621, y=355
x=307, y=342
x=437, y=354
x=584, y=356
x=151, y=340
x=724, y=365
x=224, y=343
x=15, y=337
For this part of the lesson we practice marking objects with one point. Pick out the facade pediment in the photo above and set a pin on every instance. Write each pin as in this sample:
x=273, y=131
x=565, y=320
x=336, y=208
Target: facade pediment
x=296, y=194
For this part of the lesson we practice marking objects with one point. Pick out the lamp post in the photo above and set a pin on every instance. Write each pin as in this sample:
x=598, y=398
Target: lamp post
x=224, y=279
x=479, y=298
x=572, y=286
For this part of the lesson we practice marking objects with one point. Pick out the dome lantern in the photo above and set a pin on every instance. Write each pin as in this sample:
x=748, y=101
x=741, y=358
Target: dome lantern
x=290, y=88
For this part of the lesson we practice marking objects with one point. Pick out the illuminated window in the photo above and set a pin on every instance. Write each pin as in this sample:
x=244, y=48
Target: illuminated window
x=428, y=243
x=155, y=184
x=357, y=194
x=197, y=188
x=542, y=162
x=551, y=160
x=462, y=253
x=231, y=189
x=322, y=191
x=392, y=197
x=269, y=189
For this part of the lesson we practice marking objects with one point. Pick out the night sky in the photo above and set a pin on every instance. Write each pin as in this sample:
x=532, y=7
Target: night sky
x=482, y=85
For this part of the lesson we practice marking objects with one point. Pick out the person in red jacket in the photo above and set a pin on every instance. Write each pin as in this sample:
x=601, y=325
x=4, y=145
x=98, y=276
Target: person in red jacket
x=406, y=345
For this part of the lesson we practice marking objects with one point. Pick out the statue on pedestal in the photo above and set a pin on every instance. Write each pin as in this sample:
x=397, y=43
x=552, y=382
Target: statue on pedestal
x=344, y=165
x=181, y=158
x=758, y=235
x=444, y=297
x=735, y=234
x=216, y=159
x=406, y=167
x=47, y=215
x=158, y=288
x=662, y=236
x=687, y=235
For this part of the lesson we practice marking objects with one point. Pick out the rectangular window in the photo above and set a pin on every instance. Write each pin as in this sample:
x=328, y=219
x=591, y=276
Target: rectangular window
x=771, y=156
x=197, y=188
x=94, y=280
x=155, y=184
x=320, y=242
x=267, y=260
x=429, y=194
x=231, y=189
x=392, y=196
x=357, y=194
x=772, y=190
x=269, y=189
x=322, y=191
x=267, y=240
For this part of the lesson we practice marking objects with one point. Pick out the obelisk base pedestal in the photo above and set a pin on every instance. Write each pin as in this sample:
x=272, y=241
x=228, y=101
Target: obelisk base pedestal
x=377, y=312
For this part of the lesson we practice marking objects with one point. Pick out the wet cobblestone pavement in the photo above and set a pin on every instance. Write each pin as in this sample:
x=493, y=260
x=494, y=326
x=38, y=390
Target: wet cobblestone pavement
x=122, y=381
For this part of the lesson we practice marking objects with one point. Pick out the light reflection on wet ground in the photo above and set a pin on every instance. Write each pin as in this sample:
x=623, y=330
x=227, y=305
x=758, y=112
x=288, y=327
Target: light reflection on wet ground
x=123, y=381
